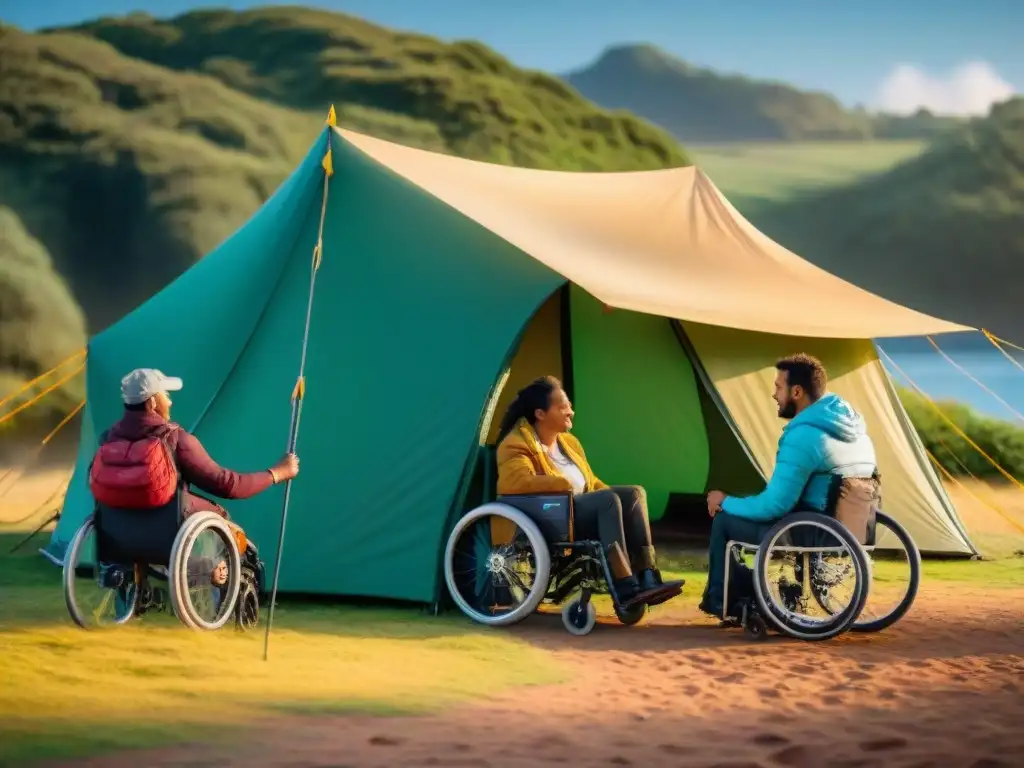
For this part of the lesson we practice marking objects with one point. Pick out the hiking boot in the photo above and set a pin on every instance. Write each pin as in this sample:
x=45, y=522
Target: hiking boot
x=711, y=607
x=651, y=581
x=630, y=591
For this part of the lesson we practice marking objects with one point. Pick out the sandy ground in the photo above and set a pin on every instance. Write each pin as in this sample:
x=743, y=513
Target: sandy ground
x=943, y=688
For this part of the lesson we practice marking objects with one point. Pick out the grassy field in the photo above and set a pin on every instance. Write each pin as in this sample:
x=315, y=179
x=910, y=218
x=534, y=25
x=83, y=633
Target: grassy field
x=70, y=692
x=751, y=172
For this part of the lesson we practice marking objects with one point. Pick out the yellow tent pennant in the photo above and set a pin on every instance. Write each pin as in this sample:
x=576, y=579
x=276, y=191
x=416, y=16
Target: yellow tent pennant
x=332, y=117
x=300, y=389
x=328, y=163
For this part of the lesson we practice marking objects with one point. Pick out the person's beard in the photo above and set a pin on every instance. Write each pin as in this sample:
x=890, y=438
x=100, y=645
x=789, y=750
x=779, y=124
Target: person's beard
x=787, y=411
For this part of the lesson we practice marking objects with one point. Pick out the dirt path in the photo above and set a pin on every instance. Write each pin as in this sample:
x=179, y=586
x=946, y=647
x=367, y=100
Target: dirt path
x=943, y=688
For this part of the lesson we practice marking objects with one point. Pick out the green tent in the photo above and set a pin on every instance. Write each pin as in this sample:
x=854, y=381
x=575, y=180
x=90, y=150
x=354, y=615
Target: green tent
x=432, y=305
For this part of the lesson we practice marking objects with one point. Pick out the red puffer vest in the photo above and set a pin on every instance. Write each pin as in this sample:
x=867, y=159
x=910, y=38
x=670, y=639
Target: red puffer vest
x=134, y=474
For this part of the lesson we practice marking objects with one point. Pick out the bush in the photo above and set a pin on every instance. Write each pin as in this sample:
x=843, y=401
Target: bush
x=1001, y=440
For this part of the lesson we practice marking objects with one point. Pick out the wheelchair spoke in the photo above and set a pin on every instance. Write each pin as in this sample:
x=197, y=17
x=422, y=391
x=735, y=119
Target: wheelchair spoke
x=811, y=588
x=493, y=566
x=208, y=576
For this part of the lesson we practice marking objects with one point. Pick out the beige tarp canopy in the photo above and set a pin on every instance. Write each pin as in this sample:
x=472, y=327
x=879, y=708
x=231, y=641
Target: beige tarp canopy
x=662, y=242
x=668, y=243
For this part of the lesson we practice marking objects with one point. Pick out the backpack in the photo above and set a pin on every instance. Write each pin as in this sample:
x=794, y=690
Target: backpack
x=854, y=501
x=134, y=474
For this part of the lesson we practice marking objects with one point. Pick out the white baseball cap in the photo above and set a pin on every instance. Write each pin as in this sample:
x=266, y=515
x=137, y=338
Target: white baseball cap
x=143, y=383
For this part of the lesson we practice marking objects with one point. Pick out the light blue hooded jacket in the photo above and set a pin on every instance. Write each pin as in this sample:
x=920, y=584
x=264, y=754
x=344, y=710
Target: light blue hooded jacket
x=827, y=437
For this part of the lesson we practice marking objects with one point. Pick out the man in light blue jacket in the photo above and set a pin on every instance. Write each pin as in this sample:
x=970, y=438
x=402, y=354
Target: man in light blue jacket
x=825, y=436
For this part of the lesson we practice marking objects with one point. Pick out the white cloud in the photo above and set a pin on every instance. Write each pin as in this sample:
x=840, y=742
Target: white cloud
x=969, y=89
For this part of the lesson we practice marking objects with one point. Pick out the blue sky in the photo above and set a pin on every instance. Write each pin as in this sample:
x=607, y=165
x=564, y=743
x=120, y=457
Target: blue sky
x=896, y=51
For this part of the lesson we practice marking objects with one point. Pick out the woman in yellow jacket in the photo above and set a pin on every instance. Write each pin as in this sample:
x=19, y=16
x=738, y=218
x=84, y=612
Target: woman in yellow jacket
x=536, y=454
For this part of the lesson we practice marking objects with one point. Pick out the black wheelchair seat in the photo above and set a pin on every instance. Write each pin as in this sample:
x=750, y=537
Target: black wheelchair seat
x=137, y=536
x=552, y=512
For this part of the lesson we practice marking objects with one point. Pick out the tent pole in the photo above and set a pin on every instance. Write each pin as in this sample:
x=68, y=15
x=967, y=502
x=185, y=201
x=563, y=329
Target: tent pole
x=298, y=394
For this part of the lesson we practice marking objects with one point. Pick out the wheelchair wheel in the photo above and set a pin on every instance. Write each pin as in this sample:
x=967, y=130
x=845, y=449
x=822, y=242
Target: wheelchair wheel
x=882, y=609
x=577, y=619
x=788, y=603
x=205, y=572
x=247, y=611
x=107, y=595
x=496, y=565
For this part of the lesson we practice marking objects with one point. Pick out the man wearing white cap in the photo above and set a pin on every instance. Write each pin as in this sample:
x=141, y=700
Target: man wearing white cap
x=147, y=414
x=127, y=472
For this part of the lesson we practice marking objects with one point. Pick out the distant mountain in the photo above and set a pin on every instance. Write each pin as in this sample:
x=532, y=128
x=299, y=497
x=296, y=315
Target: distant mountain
x=942, y=233
x=702, y=105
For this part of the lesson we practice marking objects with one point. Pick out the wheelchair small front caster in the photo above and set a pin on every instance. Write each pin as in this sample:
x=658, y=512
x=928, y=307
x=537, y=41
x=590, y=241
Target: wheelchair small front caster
x=578, y=617
x=247, y=611
x=755, y=628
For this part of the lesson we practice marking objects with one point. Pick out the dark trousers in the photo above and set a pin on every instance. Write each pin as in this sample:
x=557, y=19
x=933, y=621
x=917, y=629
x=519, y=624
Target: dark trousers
x=615, y=515
x=726, y=528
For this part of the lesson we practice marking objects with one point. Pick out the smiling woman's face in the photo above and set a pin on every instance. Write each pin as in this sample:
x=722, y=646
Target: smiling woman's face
x=558, y=417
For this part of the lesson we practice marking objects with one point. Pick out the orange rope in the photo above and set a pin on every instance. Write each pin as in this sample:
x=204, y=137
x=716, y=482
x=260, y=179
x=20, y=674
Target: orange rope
x=968, y=374
x=41, y=395
x=949, y=421
x=63, y=422
x=38, y=451
x=998, y=344
x=40, y=377
x=949, y=476
x=970, y=474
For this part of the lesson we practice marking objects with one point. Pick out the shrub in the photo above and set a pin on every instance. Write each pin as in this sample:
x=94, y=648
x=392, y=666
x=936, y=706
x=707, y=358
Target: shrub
x=1001, y=440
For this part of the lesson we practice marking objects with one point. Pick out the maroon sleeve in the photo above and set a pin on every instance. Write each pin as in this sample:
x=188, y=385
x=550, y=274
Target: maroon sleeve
x=200, y=470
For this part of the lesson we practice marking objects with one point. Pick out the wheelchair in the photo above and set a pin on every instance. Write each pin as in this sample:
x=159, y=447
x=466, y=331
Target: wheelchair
x=210, y=572
x=818, y=555
x=507, y=557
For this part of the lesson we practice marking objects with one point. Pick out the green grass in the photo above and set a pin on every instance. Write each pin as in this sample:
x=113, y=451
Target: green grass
x=1001, y=572
x=753, y=172
x=70, y=692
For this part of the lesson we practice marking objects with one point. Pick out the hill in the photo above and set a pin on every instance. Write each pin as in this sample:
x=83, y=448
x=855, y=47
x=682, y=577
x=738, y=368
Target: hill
x=460, y=97
x=40, y=324
x=752, y=174
x=130, y=147
x=941, y=232
x=701, y=105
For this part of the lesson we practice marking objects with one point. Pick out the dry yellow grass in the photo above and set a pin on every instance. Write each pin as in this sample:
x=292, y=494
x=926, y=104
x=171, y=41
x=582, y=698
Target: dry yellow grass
x=68, y=691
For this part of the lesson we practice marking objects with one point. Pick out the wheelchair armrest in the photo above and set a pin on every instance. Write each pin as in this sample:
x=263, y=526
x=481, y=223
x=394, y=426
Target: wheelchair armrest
x=192, y=492
x=552, y=512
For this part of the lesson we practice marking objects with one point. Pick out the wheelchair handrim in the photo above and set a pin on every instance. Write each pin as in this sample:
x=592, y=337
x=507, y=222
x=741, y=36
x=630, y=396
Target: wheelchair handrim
x=779, y=617
x=542, y=565
x=179, y=576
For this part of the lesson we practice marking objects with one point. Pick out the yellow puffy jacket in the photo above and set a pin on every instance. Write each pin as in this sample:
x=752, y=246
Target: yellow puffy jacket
x=523, y=467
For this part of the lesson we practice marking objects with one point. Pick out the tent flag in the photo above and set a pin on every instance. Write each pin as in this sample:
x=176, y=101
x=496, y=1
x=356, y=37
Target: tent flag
x=441, y=275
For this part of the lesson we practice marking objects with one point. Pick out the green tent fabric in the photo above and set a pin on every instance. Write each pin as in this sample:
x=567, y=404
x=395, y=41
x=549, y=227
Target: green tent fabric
x=635, y=393
x=399, y=369
x=418, y=315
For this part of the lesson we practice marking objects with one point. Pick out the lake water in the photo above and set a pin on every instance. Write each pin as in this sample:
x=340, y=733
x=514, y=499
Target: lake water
x=942, y=381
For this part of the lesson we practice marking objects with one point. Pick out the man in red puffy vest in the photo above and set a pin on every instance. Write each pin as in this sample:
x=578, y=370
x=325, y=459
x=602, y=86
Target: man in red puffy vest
x=133, y=469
